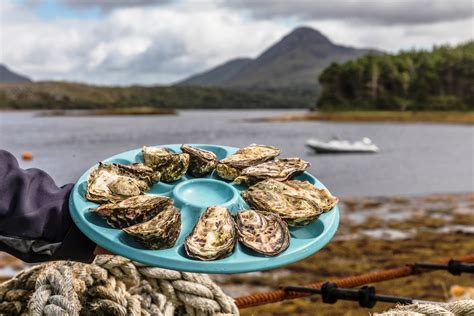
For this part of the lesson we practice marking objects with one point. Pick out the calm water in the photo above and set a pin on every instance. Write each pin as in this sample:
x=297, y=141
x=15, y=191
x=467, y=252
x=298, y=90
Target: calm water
x=415, y=158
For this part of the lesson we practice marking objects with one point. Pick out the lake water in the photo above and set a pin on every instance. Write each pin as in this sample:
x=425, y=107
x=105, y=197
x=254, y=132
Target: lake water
x=414, y=159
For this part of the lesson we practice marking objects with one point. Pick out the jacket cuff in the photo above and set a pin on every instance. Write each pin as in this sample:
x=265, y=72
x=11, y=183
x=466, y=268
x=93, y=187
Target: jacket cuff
x=76, y=247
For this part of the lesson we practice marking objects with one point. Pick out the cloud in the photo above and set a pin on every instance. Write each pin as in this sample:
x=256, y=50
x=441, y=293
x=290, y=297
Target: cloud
x=130, y=45
x=162, y=44
x=387, y=12
x=393, y=38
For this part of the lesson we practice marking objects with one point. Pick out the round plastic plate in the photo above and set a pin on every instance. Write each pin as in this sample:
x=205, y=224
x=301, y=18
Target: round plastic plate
x=192, y=196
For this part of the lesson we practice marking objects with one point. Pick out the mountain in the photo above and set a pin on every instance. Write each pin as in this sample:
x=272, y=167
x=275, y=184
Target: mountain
x=221, y=73
x=293, y=62
x=6, y=75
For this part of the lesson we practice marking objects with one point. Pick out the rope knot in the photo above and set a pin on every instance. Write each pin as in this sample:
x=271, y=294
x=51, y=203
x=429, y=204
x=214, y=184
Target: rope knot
x=54, y=293
x=113, y=285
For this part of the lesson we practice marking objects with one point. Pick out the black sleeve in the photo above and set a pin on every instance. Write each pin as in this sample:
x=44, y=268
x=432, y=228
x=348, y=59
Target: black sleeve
x=35, y=224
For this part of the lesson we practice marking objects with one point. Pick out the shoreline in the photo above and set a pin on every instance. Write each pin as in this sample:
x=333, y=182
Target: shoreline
x=295, y=115
x=448, y=117
x=115, y=111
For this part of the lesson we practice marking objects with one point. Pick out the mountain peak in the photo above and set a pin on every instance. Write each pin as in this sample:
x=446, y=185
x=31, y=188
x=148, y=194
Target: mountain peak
x=307, y=34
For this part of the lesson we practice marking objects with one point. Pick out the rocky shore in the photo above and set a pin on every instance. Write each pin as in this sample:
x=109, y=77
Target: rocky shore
x=374, y=233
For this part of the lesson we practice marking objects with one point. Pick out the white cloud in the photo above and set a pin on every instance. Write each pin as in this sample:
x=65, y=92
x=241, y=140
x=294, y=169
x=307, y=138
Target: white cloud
x=161, y=44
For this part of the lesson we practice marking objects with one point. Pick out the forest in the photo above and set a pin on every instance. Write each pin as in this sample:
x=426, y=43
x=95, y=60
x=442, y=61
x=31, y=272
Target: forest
x=440, y=79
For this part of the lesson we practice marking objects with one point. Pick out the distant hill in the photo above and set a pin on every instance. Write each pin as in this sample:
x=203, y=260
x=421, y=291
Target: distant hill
x=6, y=75
x=67, y=95
x=294, y=62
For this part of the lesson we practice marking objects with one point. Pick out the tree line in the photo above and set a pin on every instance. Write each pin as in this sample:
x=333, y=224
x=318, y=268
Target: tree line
x=440, y=79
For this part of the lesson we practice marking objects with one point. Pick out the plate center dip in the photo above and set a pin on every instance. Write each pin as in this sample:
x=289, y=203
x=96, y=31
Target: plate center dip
x=204, y=192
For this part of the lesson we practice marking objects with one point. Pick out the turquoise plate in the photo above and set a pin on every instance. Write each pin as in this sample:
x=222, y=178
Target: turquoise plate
x=192, y=196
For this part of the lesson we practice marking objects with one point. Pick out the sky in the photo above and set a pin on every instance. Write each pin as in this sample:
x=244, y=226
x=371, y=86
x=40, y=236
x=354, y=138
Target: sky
x=122, y=42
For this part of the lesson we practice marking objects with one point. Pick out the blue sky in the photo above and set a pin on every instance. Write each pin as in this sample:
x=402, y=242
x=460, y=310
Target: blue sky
x=53, y=9
x=159, y=42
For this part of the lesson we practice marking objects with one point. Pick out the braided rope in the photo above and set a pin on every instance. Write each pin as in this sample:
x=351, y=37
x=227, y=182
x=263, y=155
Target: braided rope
x=112, y=285
x=54, y=295
x=456, y=308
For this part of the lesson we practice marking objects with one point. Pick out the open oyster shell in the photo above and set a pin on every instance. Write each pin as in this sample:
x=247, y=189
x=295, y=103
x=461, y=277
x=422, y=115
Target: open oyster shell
x=111, y=182
x=201, y=162
x=214, y=235
x=297, y=202
x=172, y=166
x=278, y=169
x=264, y=232
x=160, y=232
x=230, y=167
x=134, y=210
x=322, y=197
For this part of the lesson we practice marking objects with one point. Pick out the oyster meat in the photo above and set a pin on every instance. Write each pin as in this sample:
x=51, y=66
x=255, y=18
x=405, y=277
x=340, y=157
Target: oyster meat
x=172, y=166
x=264, y=232
x=134, y=210
x=160, y=232
x=201, y=161
x=297, y=202
x=278, y=169
x=111, y=182
x=230, y=167
x=214, y=235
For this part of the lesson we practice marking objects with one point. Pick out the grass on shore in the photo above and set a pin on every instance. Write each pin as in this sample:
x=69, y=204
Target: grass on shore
x=451, y=117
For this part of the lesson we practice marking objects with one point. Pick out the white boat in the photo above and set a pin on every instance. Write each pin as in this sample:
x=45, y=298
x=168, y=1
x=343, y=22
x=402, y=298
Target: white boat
x=342, y=146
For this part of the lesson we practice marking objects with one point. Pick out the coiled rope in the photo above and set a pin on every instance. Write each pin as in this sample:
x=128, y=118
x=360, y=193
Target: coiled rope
x=113, y=285
x=456, y=308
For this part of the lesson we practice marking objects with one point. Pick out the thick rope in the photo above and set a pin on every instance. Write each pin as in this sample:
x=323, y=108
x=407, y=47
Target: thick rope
x=113, y=285
x=54, y=294
x=456, y=308
x=278, y=295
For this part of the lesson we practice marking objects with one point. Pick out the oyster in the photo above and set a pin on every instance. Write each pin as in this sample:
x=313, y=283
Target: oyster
x=201, y=161
x=230, y=167
x=322, y=197
x=134, y=210
x=160, y=232
x=297, y=202
x=111, y=182
x=278, y=169
x=214, y=235
x=264, y=232
x=172, y=166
